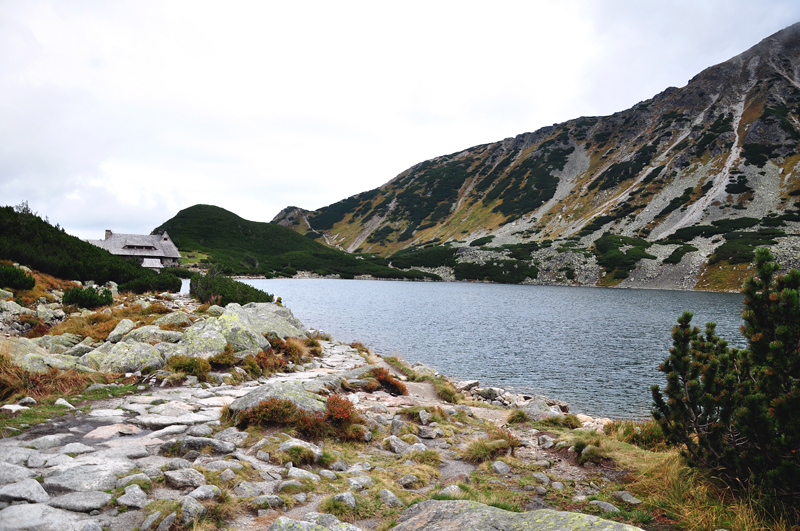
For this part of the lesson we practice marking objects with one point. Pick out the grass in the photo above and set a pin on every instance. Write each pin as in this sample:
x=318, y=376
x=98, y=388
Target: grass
x=566, y=421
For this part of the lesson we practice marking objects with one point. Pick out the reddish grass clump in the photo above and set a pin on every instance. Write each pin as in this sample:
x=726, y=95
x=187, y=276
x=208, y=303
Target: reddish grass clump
x=270, y=411
x=14, y=380
x=269, y=362
x=392, y=385
x=339, y=419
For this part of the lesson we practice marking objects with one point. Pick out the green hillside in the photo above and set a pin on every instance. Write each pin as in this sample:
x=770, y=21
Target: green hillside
x=240, y=246
x=28, y=239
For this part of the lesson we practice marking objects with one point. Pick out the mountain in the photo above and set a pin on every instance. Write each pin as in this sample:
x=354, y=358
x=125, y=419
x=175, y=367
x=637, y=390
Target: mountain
x=674, y=192
x=249, y=247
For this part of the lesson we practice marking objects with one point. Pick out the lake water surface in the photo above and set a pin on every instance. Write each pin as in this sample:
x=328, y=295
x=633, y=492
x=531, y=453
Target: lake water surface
x=595, y=348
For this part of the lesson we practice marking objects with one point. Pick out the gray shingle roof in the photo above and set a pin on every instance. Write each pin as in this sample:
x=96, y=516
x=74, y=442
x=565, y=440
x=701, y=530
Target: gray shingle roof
x=144, y=245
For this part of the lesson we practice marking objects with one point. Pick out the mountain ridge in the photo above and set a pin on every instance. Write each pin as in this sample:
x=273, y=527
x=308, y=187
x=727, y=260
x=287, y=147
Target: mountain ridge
x=723, y=147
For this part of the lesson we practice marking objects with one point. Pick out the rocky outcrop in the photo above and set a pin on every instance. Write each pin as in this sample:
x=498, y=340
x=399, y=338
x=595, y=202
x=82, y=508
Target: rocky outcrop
x=123, y=357
x=292, y=391
x=435, y=515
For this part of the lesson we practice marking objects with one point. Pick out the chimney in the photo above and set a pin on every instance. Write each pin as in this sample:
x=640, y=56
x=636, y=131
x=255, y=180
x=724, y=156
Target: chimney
x=108, y=234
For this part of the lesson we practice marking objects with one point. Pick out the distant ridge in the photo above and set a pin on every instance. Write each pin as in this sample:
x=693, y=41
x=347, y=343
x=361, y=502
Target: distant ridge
x=694, y=178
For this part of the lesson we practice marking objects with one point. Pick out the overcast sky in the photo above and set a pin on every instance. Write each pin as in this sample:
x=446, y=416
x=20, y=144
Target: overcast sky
x=116, y=115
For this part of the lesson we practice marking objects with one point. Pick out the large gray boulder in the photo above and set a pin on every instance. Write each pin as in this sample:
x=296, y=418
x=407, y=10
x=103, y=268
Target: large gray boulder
x=287, y=524
x=28, y=490
x=440, y=515
x=58, y=344
x=292, y=391
x=10, y=473
x=174, y=318
x=537, y=409
x=265, y=317
x=152, y=334
x=237, y=330
x=123, y=357
x=40, y=517
x=202, y=340
x=122, y=328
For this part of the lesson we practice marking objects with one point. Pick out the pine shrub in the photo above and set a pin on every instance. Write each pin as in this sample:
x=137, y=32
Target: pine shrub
x=734, y=411
x=87, y=297
x=15, y=278
x=216, y=286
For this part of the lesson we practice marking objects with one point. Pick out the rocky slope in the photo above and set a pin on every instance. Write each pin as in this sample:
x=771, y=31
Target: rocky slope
x=158, y=450
x=692, y=179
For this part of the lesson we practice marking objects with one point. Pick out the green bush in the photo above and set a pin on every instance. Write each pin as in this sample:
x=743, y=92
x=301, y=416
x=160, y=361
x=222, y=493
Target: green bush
x=87, y=297
x=15, y=278
x=733, y=411
x=216, y=288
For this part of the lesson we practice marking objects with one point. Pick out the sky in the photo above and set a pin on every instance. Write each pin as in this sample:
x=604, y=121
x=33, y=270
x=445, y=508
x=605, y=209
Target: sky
x=116, y=115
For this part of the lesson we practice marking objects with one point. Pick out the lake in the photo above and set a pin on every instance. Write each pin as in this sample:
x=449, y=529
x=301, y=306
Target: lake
x=598, y=349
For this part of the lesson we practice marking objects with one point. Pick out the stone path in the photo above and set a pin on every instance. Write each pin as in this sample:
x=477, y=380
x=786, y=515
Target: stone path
x=120, y=464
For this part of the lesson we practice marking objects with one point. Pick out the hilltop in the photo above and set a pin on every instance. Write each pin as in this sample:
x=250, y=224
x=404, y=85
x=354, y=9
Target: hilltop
x=250, y=247
x=675, y=192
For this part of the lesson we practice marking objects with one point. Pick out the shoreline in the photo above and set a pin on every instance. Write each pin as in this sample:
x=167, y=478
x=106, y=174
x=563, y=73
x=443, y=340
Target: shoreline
x=261, y=277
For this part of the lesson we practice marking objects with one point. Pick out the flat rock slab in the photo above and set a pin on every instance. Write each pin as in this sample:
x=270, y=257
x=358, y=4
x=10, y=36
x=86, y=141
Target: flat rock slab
x=12, y=473
x=81, y=502
x=160, y=421
x=87, y=476
x=112, y=430
x=292, y=391
x=28, y=490
x=447, y=515
x=38, y=516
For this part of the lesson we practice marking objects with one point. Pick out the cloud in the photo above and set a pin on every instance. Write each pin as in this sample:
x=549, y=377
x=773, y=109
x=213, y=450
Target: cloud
x=117, y=115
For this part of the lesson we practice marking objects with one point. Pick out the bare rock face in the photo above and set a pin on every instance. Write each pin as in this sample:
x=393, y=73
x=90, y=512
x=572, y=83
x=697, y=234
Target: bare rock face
x=435, y=515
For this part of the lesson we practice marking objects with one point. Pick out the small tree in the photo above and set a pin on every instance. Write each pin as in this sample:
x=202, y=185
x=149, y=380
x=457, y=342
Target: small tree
x=736, y=412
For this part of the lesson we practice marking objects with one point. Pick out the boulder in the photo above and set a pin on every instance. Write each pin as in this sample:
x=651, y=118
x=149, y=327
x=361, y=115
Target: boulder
x=174, y=318
x=191, y=510
x=438, y=515
x=499, y=467
x=264, y=318
x=215, y=311
x=359, y=482
x=152, y=334
x=185, y=477
x=12, y=307
x=625, y=496
x=200, y=443
x=267, y=500
x=389, y=499
x=28, y=490
x=329, y=521
x=10, y=473
x=36, y=516
x=58, y=344
x=236, y=329
x=537, y=409
x=231, y=435
x=291, y=391
x=134, y=497
x=202, y=340
x=347, y=498
x=5, y=295
x=122, y=328
x=206, y=492
x=287, y=524
x=123, y=357
x=299, y=473
x=291, y=442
